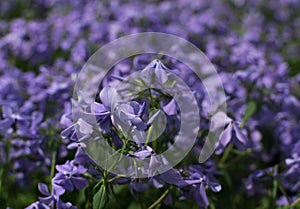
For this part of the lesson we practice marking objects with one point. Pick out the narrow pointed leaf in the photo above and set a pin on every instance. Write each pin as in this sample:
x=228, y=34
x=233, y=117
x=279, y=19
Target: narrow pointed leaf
x=100, y=198
x=250, y=110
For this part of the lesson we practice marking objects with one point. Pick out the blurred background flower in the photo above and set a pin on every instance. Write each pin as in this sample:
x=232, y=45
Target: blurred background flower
x=255, y=47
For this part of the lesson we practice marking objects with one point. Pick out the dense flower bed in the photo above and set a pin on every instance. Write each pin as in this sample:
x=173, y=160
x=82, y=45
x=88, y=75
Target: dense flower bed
x=254, y=46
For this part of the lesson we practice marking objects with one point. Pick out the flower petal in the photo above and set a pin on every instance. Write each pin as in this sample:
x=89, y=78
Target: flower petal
x=240, y=135
x=43, y=189
x=171, y=108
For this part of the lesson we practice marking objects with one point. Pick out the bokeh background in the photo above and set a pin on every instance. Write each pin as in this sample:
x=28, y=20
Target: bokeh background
x=254, y=45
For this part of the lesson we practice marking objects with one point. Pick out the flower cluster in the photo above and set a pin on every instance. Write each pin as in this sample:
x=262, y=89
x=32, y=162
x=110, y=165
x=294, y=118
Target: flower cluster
x=254, y=47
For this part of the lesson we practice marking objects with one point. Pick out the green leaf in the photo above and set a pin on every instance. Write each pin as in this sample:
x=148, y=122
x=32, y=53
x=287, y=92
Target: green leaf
x=250, y=110
x=100, y=198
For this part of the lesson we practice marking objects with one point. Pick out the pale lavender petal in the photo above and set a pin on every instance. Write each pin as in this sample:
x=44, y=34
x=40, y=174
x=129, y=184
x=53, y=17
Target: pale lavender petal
x=203, y=195
x=171, y=108
x=226, y=135
x=151, y=120
x=240, y=135
x=43, y=189
x=107, y=96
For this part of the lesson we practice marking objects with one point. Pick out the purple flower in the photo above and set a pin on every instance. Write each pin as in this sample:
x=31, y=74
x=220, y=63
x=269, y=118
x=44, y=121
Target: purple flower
x=142, y=153
x=38, y=205
x=77, y=145
x=138, y=185
x=8, y=118
x=69, y=176
x=81, y=157
x=103, y=111
x=172, y=176
x=171, y=108
x=62, y=205
x=155, y=72
x=232, y=134
x=136, y=113
x=255, y=55
x=290, y=177
x=199, y=181
x=50, y=200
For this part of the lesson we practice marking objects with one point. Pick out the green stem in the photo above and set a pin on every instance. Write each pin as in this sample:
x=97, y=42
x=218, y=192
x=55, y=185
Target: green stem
x=275, y=183
x=275, y=186
x=283, y=191
x=296, y=202
x=162, y=93
x=159, y=200
x=148, y=135
x=126, y=140
x=116, y=177
x=226, y=153
x=151, y=98
x=123, y=148
x=53, y=164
